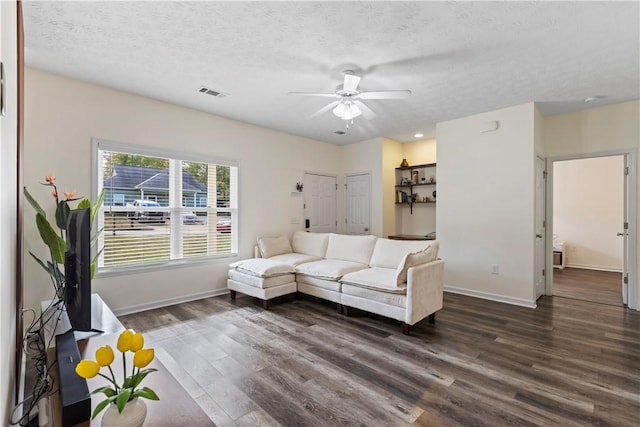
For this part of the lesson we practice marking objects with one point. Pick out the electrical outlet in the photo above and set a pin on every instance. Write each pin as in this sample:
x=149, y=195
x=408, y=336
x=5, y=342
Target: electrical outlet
x=495, y=269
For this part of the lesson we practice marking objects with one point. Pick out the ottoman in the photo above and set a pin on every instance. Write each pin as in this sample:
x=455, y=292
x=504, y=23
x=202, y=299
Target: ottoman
x=261, y=278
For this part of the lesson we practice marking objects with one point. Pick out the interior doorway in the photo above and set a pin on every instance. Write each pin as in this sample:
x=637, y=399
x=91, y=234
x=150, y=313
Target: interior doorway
x=593, y=241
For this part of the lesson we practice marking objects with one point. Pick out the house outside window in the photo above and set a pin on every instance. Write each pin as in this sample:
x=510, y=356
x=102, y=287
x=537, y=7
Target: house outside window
x=163, y=207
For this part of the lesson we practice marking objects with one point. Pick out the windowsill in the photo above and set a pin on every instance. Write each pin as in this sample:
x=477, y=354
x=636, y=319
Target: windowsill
x=164, y=265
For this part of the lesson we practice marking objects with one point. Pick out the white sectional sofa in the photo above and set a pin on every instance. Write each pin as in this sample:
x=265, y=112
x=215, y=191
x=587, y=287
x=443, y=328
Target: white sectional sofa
x=394, y=278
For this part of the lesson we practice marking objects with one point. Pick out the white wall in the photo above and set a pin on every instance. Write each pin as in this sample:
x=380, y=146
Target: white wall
x=423, y=218
x=391, y=159
x=587, y=211
x=62, y=115
x=8, y=206
x=597, y=130
x=485, y=206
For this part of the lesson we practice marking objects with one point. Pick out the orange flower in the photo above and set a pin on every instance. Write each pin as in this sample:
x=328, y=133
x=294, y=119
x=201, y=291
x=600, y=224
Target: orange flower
x=50, y=178
x=54, y=193
x=69, y=194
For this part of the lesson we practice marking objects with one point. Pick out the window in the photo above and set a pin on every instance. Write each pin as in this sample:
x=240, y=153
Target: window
x=162, y=207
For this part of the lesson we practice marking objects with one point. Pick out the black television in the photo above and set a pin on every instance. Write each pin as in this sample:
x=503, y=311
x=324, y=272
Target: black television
x=77, y=270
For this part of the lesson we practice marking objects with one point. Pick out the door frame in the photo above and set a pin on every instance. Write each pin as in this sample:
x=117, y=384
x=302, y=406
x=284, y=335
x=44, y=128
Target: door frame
x=632, y=202
x=545, y=224
x=346, y=177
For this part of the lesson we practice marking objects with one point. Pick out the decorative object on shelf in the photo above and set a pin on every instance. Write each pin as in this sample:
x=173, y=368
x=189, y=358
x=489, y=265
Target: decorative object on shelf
x=121, y=395
x=56, y=240
x=434, y=194
x=299, y=186
x=404, y=163
x=431, y=179
x=423, y=180
x=414, y=176
x=405, y=181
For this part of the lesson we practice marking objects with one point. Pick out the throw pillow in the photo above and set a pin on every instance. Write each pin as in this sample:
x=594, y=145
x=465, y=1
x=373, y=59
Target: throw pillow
x=430, y=253
x=272, y=246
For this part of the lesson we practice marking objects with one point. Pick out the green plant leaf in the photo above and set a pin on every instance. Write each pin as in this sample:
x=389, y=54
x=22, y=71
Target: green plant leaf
x=147, y=393
x=100, y=406
x=56, y=244
x=97, y=205
x=39, y=261
x=62, y=215
x=123, y=398
x=33, y=203
x=94, y=238
x=94, y=267
x=84, y=204
x=108, y=391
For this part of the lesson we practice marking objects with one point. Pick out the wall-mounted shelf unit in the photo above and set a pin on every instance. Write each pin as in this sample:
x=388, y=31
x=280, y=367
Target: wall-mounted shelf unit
x=415, y=185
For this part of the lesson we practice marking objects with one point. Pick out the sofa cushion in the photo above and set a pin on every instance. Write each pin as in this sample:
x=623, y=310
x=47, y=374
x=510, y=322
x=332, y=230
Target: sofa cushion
x=294, y=258
x=350, y=248
x=262, y=267
x=332, y=269
x=416, y=258
x=272, y=246
x=388, y=298
x=310, y=243
x=380, y=279
x=389, y=253
x=261, y=282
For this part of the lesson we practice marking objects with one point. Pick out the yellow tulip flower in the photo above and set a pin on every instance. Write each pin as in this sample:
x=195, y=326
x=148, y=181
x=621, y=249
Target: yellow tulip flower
x=137, y=342
x=143, y=357
x=124, y=340
x=87, y=368
x=104, y=355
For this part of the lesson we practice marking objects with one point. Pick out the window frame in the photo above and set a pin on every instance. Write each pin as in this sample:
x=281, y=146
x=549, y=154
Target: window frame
x=101, y=144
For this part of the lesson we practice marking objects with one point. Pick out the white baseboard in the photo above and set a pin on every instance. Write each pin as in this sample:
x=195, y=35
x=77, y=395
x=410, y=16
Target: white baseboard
x=490, y=296
x=170, y=301
x=596, y=267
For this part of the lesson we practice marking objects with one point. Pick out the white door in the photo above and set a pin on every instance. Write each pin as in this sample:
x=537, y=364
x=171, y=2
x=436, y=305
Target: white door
x=358, y=205
x=625, y=232
x=320, y=193
x=540, y=237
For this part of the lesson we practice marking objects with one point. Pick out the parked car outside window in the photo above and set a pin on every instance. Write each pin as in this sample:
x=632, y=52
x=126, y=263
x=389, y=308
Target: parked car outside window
x=147, y=216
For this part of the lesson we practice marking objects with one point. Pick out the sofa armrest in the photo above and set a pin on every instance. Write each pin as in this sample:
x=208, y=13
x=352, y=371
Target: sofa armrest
x=424, y=290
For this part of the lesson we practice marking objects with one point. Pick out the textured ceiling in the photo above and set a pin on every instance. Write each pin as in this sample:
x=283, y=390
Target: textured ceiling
x=458, y=58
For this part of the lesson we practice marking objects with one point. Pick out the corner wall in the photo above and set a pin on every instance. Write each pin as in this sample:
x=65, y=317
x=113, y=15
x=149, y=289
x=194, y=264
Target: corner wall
x=485, y=206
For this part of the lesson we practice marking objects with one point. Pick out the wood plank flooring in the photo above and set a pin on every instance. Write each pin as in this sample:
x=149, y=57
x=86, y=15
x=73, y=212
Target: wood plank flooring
x=604, y=287
x=483, y=363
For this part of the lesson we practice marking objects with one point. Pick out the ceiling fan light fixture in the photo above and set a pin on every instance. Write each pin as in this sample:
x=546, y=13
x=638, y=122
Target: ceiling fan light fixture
x=339, y=110
x=347, y=110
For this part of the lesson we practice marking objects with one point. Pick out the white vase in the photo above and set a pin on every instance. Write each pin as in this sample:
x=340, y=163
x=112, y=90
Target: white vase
x=133, y=414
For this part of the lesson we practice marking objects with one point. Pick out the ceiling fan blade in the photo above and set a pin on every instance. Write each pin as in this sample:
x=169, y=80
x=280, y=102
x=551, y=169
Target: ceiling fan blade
x=385, y=94
x=324, y=109
x=324, y=95
x=351, y=82
x=366, y=111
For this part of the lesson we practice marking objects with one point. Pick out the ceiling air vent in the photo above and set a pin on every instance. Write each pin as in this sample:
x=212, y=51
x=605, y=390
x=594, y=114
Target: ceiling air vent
x=211, y=92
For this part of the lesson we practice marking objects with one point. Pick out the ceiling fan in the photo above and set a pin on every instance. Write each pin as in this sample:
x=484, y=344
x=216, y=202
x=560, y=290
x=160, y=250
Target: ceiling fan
x=349, y=105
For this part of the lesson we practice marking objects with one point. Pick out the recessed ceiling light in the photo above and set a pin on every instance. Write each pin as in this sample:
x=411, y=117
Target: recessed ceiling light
x=590, y=99
x=418, y=135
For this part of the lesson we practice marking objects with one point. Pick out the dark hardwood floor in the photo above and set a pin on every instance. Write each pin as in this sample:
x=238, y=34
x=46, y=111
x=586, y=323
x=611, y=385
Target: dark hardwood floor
x=483, y=363
x=590, y=285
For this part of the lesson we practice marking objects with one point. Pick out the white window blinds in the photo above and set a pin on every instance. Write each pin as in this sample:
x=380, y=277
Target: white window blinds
x=162, y=208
